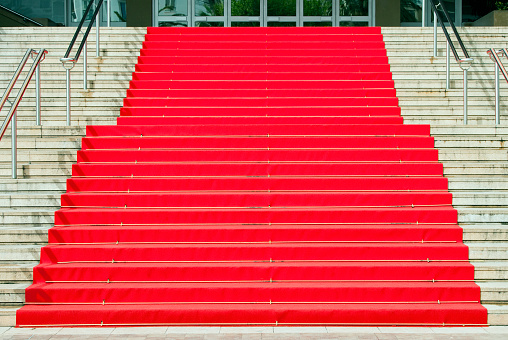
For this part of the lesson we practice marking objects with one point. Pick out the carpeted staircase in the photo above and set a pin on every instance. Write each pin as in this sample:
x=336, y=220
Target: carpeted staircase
x=257, y=176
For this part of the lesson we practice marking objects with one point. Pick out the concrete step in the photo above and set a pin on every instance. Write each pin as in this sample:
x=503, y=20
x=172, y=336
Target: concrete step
x=483, y=215
x=483, y=199
x=482, y=232
x=20, y=252
x=8, y=316
x=34, y=235
x=27, y=218
x=488, y=251
x=494, y=292
x=16, y=201
x=17, y=271
x=490, y=271
x=498, y=314
x=12, y=294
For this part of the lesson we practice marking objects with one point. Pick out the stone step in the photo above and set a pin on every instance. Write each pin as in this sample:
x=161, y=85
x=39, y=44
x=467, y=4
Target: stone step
x=17, y=272
x=12, y=294
x=34, y=235
x=27, y=218
x=20, y=252
x=490, y=271
x=45, y=201
x=498, y=314
x=8, y=316
x=472, y=199
x=483, y=215
x=481, y=232
x=488, y=251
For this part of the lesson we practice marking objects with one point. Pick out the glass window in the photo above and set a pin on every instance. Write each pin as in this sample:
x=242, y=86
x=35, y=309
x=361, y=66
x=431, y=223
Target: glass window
x=473, y=10
x=354, y=7
x=245, y=8
x=281, y=8
x=411, y=10
x=209, y=8
x=318, y=23
x=172, y=7
x=118, y=11
x=245, y=24
x=354, y=23
x=281, y=24
x=318, y=8
x=209, y=24
x=172, y=23
x=34, y=9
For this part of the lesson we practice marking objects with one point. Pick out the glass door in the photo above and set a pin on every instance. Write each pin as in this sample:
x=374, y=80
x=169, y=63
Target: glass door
x=245, y=13
x=319, y=12
x=118, y=12
x=355, y=13
x=264, y=13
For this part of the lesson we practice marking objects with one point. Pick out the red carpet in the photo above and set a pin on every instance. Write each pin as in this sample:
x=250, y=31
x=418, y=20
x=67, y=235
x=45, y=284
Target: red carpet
x=257, y=176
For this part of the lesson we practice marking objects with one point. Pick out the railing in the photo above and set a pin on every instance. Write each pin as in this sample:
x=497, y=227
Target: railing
x=69, y=63
x=21, y=16
x=38, y=57
x=498, y=65
x=465, y=62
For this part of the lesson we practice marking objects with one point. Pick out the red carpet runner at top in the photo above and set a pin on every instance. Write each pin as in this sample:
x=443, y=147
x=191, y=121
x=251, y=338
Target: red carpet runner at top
x=257, y=176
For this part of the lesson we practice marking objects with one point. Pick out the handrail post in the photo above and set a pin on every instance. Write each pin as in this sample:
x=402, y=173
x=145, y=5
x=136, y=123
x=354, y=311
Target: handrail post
x=435, y=35
x=68, y=64
x=14, y=145
x=465, y=64
x=465, y=96
x=447, y=66
x=97, y=34
x=496, y=77
x=85, y=67
x=37, y=93
x=68, y=95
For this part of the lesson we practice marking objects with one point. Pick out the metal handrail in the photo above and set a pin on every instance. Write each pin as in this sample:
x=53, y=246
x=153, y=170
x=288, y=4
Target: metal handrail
x=38, y=57
x=498, y=65
x=68, y=63
x=465, y=62
x=21, y=16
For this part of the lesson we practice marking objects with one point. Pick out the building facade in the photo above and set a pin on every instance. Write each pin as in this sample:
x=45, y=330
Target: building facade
x=253, y=12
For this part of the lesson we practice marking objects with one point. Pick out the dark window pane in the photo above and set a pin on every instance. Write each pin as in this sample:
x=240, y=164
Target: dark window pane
x=281, y=24
x=244, y=24
x=281, y=7
x=318, y=23
x=318, y=8
x=245, y=8
x=209, y=8
x=354, y=7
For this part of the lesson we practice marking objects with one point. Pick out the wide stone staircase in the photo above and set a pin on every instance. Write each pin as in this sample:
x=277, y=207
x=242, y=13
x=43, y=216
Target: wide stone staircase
x=474, y=156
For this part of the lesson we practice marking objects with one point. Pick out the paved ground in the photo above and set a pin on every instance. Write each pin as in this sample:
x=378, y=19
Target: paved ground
x=256, y=333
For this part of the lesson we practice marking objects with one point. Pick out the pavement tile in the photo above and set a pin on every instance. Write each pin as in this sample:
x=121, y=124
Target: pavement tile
x=349, y=330
x=302, y=330
x=405, y=330
x=385, y=336
x=4, y=329
x=497, y=329
x=139, y=330
x=41, y=337
x=192, y=330
x=61, y=337
x=38, y=331
x=458, y=330
x=245, y=330
x=86, y=331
